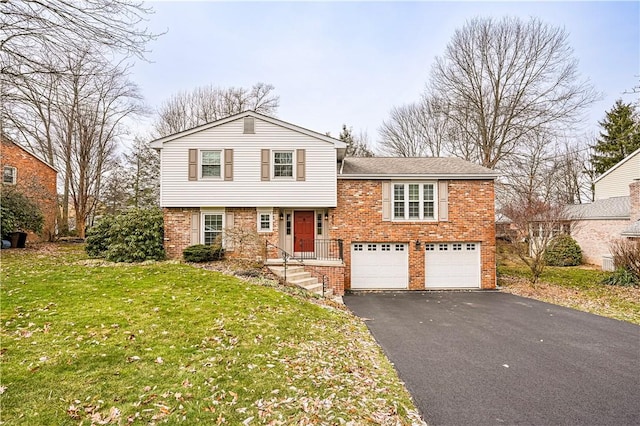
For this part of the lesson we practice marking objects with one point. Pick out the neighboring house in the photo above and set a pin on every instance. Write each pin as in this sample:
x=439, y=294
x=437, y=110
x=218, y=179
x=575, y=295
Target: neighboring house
x=365, y=223
x=614, y=213
x=35, y=178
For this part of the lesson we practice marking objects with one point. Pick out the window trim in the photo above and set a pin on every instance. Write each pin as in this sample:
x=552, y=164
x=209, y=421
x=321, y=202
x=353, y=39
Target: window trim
x=14, y=175
x=293, y=164
x=406, y=201
x=204, y=213
x=221, y=164
x=259, y=214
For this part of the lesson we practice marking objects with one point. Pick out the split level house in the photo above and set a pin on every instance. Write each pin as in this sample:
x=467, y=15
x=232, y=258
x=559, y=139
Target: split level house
x=35, y=178
x=361, y=223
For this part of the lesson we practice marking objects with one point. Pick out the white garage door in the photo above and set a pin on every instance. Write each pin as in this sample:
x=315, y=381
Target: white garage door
x=379, y=265
x=452, y=265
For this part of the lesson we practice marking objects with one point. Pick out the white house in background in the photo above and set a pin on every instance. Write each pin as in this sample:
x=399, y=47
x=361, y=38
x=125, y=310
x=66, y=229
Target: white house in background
x=613, y=214
x=615, y=181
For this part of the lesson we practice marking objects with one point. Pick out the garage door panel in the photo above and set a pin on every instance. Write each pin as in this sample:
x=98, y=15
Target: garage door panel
x=452, y=265
x=379, y=265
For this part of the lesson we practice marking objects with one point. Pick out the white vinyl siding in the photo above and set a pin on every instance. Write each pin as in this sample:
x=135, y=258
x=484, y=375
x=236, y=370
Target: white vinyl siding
x=247, y=189
x=414, y=201
x=616, y=182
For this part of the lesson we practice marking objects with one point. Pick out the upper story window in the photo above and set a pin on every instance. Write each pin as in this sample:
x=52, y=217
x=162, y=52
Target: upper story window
x=283, y=164
x=210, y=164
x=414, y=201
x=9, y=175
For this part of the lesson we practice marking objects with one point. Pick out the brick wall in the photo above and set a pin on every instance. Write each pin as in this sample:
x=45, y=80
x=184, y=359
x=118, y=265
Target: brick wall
x=35, y=180
x=634, y=195
x=177, y=230
x=358, y=218
x=243, y=241
x=594, y=236
x=334, y=274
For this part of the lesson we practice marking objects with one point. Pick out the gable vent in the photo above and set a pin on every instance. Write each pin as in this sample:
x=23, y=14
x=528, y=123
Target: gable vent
x=249, y=125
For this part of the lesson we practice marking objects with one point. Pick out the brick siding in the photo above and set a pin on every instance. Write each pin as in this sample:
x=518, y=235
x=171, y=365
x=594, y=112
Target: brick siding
x=358, y=218
x=35, y=180
x=634, y=195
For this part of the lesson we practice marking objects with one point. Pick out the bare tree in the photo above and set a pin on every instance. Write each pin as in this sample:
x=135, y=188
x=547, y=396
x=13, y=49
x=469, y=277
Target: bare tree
x=534, y=224
x=186, y=110
x=357, y=145
x=34, y=32
x=75, y=119
x=505, y=82
x=418, y=129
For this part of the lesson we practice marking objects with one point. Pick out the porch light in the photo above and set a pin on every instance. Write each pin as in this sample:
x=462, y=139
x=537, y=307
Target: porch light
x=326, y=216
x=281, y=216
x=417, y=245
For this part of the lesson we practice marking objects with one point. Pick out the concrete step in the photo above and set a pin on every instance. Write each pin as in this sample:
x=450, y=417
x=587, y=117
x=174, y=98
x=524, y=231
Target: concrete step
x=296, y=275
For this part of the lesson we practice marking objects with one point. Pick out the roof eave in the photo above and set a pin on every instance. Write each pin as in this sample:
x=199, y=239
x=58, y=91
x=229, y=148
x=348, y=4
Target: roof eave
x=440, y=176
x=618, y=164
x=158, y=143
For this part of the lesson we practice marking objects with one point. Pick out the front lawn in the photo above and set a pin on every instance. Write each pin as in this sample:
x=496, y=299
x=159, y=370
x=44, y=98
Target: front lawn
x=90, y=342
x=574, y=287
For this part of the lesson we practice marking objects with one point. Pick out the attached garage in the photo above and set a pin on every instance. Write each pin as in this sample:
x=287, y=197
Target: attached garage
x=379, y=266
x=452, y=265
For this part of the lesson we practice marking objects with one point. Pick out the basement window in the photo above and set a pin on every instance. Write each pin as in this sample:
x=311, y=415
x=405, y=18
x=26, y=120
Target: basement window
x=9, y=175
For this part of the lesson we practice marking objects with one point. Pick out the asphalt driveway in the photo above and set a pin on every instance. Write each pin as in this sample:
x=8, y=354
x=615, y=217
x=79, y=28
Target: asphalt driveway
x=482, y=358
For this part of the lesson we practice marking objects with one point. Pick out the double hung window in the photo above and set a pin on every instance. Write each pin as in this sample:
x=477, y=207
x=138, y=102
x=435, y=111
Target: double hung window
x=210, y=166
x=414, y=201
x=283, y=164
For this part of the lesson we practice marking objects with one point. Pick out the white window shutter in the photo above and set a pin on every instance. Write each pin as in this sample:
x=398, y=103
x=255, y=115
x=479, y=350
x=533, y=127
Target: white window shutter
x=195, y=228
x=265, y=171
x=300, y=164
x=443, y=200
x=193, y=164
x=228, y=164
x=386, y=201
x=228, y=219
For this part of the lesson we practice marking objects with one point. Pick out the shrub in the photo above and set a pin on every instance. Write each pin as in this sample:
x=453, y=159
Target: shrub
x=133, y=236
x=622, y=277
x=98, y=237
x=626, y=255
x=202, y=253
x=563, y=251
x=18, y=213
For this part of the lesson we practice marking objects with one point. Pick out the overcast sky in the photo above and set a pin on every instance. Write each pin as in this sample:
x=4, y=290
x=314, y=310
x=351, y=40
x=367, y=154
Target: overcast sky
x=351, y=62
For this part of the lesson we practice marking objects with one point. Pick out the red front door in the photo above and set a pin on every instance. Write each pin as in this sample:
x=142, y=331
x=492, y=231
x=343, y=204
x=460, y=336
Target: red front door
x=303, y=231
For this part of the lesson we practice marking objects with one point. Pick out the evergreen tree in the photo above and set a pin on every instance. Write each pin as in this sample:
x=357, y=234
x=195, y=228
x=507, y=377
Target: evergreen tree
x=620, y=136
x=357, y=146
x=143, y=164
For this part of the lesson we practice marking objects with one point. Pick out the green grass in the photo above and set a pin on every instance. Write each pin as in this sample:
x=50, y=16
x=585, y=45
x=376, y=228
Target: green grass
x=575, y=287
x=84, y=341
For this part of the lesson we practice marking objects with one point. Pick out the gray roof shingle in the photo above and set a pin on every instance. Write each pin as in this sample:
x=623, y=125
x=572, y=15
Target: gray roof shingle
x=418, y=166
x=633, y=230
x=608, y=208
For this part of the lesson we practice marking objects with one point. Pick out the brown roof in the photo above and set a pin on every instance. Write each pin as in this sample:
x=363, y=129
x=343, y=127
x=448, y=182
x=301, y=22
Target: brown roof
x=414, y=167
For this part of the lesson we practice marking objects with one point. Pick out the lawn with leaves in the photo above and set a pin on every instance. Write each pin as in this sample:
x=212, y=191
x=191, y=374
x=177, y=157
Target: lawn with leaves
x=575, y=287
x=91, y=342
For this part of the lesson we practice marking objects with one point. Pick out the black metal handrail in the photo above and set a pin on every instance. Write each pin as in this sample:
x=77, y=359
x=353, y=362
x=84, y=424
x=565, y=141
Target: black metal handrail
x=319, y=249
x=287, y=257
